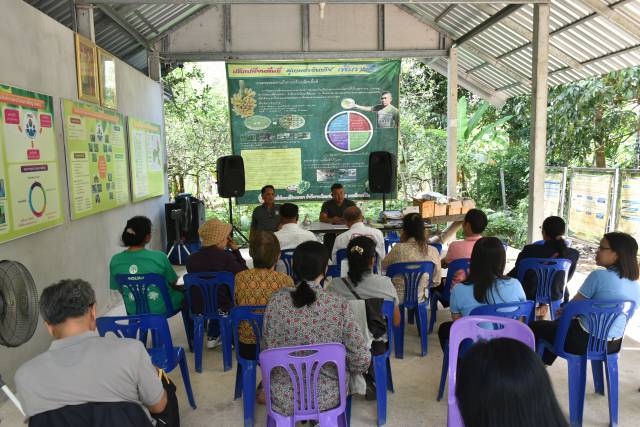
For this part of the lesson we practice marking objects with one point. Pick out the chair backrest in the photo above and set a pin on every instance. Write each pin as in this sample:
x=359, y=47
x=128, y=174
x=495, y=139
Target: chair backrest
x=137, y=327
x=453, y=267
x=139, y=285
x=438, y=247
x=95, y=414
x=511, y=310
x=538, y=242
x=303, y=364
x=411, y=273
x=251, y=315
x=390, y=240
x=545, y=270
x=207, y=284
x=479, y=328
x=286, y=255
x=598, y=317
x=333, y=271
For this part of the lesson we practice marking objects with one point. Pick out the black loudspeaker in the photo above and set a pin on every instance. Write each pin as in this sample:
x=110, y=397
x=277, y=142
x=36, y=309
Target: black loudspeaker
x=193, y=217
x=230, y=176
x=382, y=172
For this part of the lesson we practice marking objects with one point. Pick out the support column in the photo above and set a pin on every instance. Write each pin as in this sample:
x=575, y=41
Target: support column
x=538, y=146
x=452, y=123
x=84, y=21
x=154, y=63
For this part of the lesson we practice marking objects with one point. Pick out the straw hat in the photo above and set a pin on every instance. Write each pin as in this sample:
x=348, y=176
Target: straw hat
x=214, y=232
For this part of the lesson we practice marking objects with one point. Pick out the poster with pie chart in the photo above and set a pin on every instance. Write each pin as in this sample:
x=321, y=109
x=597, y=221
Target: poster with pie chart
x=303, y=126
x=29, y=170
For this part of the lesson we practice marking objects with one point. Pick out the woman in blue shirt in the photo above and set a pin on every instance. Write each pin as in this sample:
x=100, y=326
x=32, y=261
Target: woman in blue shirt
x=617, y=253
x=486, y=284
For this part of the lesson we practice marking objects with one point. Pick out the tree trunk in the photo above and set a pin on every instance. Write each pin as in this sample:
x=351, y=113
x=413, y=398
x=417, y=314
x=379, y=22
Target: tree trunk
x=197, y=177
x=600, y=159
x=180, y=184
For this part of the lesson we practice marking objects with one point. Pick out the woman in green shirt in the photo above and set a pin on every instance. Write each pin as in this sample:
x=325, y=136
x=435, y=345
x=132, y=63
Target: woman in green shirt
x=136, y=259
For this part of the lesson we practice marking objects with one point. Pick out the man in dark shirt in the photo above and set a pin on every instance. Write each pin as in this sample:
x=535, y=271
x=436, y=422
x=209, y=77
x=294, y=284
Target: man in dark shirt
x=266, y=217
x=332, y=212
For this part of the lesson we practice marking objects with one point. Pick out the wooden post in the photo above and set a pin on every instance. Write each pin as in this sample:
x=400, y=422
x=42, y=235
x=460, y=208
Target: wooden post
x=452, y=123
x=539, y=94
x=84, y=21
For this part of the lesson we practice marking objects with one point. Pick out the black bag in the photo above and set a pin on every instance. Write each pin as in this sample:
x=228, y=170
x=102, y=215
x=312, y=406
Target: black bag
x=170, y=417
x=373, y=307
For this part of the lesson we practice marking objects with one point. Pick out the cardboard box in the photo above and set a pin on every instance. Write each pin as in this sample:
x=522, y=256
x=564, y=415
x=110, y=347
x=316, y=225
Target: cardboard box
x=467, y=205
x=426, y=207
x=440, y=209
x=455, y=207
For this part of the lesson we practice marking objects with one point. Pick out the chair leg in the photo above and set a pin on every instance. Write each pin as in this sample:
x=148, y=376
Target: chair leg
x=398, y=335
x=184, y=370
x=249, y=393
x=421, y=322
x=347, y=411
x=577, y=383
x=443, y=374
x=598, y=379
x=225, y=336
x=380, y=372
x=188, y=330
x=433, y=305
x=198, y=341
x=389, y=375
x=238, y=391
x=612, y=388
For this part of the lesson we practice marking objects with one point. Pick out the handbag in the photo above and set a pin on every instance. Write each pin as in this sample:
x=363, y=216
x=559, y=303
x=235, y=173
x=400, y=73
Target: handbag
x=170, y=417
x=373, y=307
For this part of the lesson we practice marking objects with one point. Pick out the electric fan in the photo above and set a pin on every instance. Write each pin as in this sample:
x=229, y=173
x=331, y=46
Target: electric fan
x=18, y=310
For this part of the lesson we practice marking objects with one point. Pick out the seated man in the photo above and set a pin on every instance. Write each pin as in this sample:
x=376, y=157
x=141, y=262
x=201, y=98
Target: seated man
x=353, y=218
x=332, y=212
x=80, y=366
x=266, y=216
x=291, y=234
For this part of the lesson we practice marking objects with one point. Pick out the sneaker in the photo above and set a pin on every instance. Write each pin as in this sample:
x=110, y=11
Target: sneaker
x=213, y=342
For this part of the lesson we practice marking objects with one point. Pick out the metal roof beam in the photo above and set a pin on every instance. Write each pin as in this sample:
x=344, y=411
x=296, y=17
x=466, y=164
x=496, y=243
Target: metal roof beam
x=601, y=57
x=149, y=25
x=444, y=13
x=298, y=55
x=621, y=20
x=505, y=68
x=111, y=13
x=493, y=19
x=112, y=2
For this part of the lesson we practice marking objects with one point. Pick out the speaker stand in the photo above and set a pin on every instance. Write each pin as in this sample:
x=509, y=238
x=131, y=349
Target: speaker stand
x=177, y=243
x=384, y=202
x=233, y=227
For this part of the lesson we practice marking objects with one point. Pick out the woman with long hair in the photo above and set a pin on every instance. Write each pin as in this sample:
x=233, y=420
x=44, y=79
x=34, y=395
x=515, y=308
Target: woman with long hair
x=503, y=383
x=310, y=315
x=486, y=284
x=137, y=259
x=554, y=246
x=618, y=280
x=414, y=246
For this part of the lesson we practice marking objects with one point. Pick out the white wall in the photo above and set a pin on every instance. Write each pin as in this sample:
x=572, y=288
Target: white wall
x=37, y=53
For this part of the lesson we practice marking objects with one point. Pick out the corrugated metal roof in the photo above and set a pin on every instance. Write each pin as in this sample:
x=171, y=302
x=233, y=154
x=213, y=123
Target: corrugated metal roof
x=582, y=42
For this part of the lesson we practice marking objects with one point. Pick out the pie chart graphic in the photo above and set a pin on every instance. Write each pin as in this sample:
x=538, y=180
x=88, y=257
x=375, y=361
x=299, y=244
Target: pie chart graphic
x=37, y=199
x=348, y=131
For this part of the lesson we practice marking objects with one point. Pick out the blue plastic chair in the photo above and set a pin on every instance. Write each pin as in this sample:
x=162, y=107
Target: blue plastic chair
x=598, y=317
x=246, y=371
x=382, y=367
x=545, y=270
x=523, y=311
x=139, y=286
x=208, y=283
x=390, y=240
x=286, y=255
x=538, y=242
x=411, y=273
x=163, y=354
x=438, y=246
x=445, y=294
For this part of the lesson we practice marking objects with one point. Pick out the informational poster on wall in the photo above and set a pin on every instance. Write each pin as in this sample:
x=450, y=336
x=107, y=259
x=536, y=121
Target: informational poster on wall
x=589, y=203
x=96, y=158
x=302, y=126
x=629, y=202
x=29, y=170
x=145, y=158
x=554, y=183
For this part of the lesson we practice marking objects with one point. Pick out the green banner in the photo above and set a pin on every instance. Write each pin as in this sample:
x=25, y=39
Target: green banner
x=302, y=126
x=145, y=157
x=96, y=158
x=29, y=177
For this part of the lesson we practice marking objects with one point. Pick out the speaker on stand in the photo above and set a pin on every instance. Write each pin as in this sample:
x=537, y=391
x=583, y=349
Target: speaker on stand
x=183, y=218
x=382, y=174
x=230, y=181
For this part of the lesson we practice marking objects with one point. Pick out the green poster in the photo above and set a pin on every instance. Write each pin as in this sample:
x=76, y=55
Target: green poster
x=145, y=157
x=29, y=178
x=302, y=126
x=96, y=158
